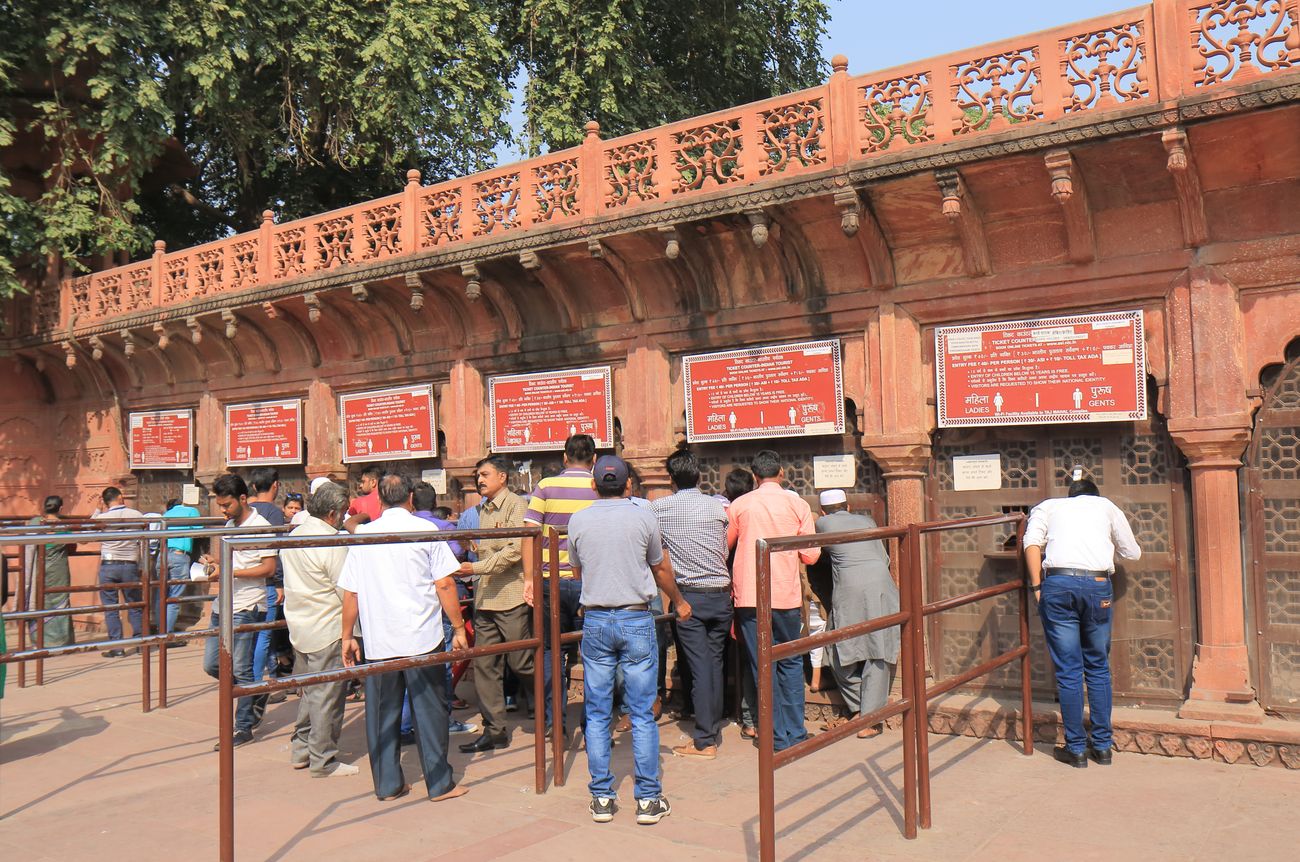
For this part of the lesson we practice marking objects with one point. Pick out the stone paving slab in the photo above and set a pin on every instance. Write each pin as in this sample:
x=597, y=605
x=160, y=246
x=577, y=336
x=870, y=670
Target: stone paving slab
x=84, y=774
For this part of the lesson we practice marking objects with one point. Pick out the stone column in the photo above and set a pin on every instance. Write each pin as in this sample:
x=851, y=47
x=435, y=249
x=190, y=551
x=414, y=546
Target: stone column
x=1209, y=419
x=1221, y=688
x=209, y=435
x=463, y=419
x=321, y=428
x=905, y=462
x=643, y=400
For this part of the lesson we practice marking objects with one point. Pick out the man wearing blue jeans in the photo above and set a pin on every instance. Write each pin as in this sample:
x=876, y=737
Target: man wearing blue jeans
x=617, y=554
x=179, y=554
x=119, y=563
x=251, y=568
x=1070, y=547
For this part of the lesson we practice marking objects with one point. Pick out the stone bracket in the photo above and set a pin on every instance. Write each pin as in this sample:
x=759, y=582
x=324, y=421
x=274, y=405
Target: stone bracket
x=1072, y=194
x=1187, y=183
x=960, y=208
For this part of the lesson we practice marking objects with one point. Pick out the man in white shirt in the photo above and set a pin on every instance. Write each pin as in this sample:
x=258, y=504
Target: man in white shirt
x=400, y=592
x=313, y=607
x=251, y=567
x=119, y=563
x=1070, y=547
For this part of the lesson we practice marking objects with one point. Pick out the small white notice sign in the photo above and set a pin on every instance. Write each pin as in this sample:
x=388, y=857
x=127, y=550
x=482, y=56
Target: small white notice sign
x=834, y=471
x=437, y=478
x=190, y=495
x=976, y=472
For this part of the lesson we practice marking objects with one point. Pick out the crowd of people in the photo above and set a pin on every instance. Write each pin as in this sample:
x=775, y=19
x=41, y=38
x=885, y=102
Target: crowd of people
x=623, y=560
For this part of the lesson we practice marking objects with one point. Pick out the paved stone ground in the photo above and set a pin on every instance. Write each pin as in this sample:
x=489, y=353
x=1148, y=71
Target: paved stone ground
x=85, y=775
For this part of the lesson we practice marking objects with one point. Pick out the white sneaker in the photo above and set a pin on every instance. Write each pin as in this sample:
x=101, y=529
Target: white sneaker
x=339, y=770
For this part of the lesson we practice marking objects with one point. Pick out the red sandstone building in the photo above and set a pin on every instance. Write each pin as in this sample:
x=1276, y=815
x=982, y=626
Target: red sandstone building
x=1147, y=161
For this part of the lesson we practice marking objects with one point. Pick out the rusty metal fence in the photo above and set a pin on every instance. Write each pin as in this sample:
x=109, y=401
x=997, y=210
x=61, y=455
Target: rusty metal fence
x=143, y=531
x=229, y=693
x=915, y=695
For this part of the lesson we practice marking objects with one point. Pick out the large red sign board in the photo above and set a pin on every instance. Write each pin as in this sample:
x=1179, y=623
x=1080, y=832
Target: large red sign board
x=786, y=390
x=537, y=412
x=266, y=432
x=388, y=424
x=1085, y=368
x=162, y=440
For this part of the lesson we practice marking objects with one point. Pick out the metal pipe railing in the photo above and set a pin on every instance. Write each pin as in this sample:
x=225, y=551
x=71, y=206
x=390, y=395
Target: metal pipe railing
x=914, y=702
x=147, y=530
x=229, y=692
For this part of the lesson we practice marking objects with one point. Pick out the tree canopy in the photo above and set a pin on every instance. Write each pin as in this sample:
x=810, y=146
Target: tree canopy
x=122, y=121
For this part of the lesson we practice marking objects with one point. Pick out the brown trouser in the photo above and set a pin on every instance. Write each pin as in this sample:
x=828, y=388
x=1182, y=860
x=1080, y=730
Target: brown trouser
x=494, y=627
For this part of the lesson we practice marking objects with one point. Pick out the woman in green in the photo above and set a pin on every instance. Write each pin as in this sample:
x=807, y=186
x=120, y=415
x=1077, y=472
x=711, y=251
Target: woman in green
x=58, y=630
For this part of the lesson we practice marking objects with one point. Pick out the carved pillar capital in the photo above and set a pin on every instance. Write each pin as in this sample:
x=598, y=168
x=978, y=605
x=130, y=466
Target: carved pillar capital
x=1216, y=442
x=902, y=457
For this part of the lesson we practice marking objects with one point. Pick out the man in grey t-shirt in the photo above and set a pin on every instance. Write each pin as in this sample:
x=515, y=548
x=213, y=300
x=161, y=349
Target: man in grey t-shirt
x=616, y=550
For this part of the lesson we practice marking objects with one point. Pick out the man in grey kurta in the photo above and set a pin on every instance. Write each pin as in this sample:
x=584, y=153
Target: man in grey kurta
x=863, y=589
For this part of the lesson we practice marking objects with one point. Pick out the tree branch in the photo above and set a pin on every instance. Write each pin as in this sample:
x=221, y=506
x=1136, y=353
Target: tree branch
x=204, y=207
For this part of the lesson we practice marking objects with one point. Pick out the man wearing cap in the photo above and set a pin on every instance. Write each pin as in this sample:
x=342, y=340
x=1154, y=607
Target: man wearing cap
x=862, y=589
x=1070, y=545
x=615, y=548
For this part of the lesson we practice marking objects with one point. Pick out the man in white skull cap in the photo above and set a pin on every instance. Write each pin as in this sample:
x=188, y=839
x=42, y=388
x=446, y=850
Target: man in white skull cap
x=862, y=590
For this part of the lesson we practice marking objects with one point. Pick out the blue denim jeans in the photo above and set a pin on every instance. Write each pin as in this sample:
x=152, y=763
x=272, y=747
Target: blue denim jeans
x=263, y=658
x=248, y=714
x=787, y=674
x=119, y=572
x=1076, y=614
x=612, y=640
x=178, y=568
x=570, y=598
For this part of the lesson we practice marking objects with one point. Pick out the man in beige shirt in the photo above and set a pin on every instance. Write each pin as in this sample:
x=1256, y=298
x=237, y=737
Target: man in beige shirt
x=500, y=613
x=313, y=607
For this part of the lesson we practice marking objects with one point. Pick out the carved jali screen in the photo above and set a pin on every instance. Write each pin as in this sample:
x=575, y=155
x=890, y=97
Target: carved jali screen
x=1134, y=464
x=1273, y=476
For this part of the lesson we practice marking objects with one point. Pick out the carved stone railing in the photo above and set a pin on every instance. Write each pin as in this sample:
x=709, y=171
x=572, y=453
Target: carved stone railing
x=1158, y=53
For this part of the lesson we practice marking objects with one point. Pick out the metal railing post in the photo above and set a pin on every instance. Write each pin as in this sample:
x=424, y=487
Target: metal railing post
x=164, y=591
x=914, y=575
x=1026, y=680
x=20, y=603
x=558, y=698
x=766, y=741
x=534, y=551
x=146, y=695
x=38, y=587
x=911, y=717
x=225, y=702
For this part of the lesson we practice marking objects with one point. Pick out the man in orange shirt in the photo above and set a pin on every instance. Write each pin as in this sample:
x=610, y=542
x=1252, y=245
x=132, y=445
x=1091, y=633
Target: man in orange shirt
x=765, y=513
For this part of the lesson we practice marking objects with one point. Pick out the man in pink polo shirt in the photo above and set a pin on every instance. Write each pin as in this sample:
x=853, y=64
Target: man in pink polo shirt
x=767, y=512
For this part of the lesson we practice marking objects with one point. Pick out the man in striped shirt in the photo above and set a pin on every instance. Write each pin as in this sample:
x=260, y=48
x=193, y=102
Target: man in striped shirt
x=553, y=503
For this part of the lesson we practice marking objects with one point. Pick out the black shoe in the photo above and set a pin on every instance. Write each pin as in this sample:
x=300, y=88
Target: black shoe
x=113, y=653
x=1068, y=757
x=1100, y=755
x=651, y=811
x=241, y=737
x=486, y=742
x=407, y=738
x=512, y=705
x=602, y=809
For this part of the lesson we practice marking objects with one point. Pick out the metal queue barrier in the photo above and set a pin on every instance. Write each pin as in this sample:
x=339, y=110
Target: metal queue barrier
x=229, y=692
x=915, y=696
x=55, y=535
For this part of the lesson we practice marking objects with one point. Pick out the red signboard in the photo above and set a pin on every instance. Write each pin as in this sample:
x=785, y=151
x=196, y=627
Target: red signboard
x=537, y=412
x=388, y=424
x=787, y=390
x=266, y=432
x=1085, y=368
x=162, y=440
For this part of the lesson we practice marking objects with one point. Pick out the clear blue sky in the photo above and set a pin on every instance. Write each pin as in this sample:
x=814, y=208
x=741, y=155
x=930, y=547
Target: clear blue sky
x=876, y=34
x=880, y=34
